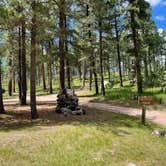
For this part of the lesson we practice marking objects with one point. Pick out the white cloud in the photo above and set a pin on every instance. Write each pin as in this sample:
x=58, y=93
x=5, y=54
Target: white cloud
x=160, y=18
x=160, y=30
x=154, y=2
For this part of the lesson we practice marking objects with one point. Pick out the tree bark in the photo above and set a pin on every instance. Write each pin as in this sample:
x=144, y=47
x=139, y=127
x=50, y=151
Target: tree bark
x=34, y=113
x=61, y=44
x=83, y=74
x=68, y=73
x=43, y=76
x=118, y=52
x=146, y=68
x=90, y=59
x=50, y=77
x=19, y=64
x=14, y=82
x=136, y=52
x=23, y=67
x=95, y=76
x=101, y=57
x=2, y=110
x=10, y=78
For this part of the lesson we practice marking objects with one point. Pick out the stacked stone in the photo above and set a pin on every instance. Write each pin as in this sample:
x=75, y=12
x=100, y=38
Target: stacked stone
x=67, y=103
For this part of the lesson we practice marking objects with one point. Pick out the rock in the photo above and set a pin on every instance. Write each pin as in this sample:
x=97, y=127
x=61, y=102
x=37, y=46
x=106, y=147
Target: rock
x=131, y=164
x=67, y=103
x=159, y=133
x=77, y=112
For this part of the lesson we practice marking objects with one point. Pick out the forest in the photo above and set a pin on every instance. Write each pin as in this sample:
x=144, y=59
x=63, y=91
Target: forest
x=105, y=51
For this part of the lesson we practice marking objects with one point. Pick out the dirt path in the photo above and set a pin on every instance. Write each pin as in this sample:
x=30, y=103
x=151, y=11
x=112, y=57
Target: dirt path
x=158, y=117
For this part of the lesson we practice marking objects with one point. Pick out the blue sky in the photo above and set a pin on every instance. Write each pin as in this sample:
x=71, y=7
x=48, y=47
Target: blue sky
x=159, y=12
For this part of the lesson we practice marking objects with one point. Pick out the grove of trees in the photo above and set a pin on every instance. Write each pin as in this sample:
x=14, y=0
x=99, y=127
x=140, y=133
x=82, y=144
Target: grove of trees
x=83, y=39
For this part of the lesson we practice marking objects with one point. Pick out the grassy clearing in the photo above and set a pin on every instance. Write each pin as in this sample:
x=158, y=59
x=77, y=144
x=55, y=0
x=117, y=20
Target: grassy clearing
x=125, y=96
x=96, y=139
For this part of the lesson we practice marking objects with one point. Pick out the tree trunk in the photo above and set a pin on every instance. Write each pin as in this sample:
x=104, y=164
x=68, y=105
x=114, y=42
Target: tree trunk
x=95, y=76
x=10, y=78
x=43, y=76
x=14, y=82
x=136, y=52
x=34, y=114
x=83, y=74
x=50, y=77
x=2, y=110
x=118, y=52
x=68, y=73
x=146, y=68
x=61, y=44
x=90, y=59
x=101, y=57
x=109, y=73
x=23, y=67
x=19, y=64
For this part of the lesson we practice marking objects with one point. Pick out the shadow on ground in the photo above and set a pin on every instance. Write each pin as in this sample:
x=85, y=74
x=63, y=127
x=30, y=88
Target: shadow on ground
x=18, y=118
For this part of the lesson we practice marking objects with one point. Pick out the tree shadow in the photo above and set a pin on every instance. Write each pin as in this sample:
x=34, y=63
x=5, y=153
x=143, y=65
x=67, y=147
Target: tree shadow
x=18, y=119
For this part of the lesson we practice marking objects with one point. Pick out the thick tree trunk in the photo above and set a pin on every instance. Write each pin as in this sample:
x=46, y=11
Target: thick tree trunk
x=61, y=44
x=34, y=114
x=118, y=53
x=23, y=67
x=2, y=110
x=136, y=52
x=101, y=57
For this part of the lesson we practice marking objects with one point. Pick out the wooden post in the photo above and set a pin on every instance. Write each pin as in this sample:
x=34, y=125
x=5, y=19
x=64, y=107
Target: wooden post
x=143, y=118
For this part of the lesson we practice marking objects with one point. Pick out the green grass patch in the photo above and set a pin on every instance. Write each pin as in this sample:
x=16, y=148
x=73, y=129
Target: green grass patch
x=98, y=138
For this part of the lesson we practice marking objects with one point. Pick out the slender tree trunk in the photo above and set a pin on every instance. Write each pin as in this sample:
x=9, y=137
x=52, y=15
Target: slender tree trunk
x=95, y=76
x=137, y=56
x=10, y=78
x=118, y=52
x=19, y=64
x=14, y=82
x=61, y=44
x=23, y=67
x=146, y=68
x=109, y=73
x=101, y=57
x=2, y=110
x=34, y=114
x=83, y=74
x=50, y=77
x=90, y=59
x=79, y=71
x=43, y=76
x=68, y=73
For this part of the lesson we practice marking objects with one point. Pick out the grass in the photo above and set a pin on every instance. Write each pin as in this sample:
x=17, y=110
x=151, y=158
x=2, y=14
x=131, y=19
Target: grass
x=125, y=96
x=97, y=139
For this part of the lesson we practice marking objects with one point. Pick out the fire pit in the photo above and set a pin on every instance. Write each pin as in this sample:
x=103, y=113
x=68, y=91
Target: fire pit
x=67, y=103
